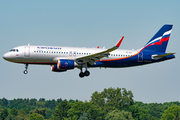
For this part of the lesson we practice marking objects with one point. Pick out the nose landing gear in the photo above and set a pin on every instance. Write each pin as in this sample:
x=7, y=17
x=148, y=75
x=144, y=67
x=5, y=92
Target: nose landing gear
x=26, y=67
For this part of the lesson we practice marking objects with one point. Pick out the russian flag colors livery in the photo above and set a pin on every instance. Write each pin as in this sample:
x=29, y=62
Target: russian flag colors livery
x=62, y=59
x=159, y=41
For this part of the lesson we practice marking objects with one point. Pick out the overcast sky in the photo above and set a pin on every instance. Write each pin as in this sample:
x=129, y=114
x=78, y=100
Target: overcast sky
x=88, y=24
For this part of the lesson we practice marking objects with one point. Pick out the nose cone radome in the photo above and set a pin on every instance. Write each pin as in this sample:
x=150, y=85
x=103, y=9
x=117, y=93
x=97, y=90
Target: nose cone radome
x=6, y=56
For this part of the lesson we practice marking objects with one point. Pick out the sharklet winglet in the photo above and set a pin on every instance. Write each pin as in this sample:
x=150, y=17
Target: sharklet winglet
x=119, y=43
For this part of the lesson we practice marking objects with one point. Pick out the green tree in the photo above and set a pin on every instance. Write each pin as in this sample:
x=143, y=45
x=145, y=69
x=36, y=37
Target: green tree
x=119, y=115
x=172, y=113
x=39, y=111
x=85, y=116
x=77, y=108
x=42, y=100
x=50, y=104
x=35, y=116
x=95, y=112
x=32, y=101
x=14, y=112
x=59, y=100
x=61, y=110
x=4, y=114
x=4, y=102
x=10, y=117
x=111, y=99
x=135, y=110
x=49, y=113
x=21, y=115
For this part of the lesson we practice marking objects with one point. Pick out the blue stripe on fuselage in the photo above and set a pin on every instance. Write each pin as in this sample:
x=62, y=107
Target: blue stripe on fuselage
x=131, y=61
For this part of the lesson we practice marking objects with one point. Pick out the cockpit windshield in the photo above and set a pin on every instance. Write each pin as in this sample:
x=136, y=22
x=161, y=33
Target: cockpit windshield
x=14, y=50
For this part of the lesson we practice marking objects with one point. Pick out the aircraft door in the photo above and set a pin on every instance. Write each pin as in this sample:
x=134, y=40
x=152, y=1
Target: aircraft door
x=140, y=57
x=27, y=51
x=70, y=53
x=74, y=53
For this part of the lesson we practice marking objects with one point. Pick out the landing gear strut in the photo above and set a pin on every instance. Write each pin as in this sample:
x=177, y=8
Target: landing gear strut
x=86, y=73
x=26, y=67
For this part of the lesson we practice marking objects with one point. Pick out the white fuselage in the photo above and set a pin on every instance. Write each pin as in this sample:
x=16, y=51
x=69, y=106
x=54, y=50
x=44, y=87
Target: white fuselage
x=32, y=54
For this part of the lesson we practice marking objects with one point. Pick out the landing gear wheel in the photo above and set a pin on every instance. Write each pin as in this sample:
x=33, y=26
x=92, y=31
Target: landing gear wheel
x=81, y=74
x=25, y=72
x=86, y=73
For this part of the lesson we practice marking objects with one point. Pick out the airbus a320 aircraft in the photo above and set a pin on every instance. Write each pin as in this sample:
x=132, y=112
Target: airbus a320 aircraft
x=62, y=59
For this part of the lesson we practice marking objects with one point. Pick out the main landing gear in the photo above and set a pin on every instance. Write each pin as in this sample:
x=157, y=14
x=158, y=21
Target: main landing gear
x=26, y=67
x=82, y=74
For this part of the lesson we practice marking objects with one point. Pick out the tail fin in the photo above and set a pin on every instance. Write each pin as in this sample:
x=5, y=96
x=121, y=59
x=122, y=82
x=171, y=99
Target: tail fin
x=159, y=41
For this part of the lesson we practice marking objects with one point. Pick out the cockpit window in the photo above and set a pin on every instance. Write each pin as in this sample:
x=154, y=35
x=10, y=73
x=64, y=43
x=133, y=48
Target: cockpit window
x=14, y=50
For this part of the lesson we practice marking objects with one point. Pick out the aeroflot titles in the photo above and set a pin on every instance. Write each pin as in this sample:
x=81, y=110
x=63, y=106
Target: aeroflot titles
x=57, y=48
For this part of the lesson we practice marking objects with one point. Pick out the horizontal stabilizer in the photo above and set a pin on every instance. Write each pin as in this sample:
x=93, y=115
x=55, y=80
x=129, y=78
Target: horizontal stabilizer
x=156, y=57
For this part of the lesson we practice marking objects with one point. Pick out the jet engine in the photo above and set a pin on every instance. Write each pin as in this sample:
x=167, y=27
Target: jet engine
x=63, y=65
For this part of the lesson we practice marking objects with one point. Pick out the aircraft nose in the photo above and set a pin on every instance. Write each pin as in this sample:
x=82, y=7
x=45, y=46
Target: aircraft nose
x=6, y=56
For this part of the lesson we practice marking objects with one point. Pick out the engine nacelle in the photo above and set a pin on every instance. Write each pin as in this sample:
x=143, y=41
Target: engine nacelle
x=55, y=69
x=64, y=65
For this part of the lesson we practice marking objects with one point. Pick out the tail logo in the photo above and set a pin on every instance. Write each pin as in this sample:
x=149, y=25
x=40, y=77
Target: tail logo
x=159, y=40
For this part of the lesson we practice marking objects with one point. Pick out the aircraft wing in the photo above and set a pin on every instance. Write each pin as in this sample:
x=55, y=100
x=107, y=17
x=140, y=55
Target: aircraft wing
x=97, y=56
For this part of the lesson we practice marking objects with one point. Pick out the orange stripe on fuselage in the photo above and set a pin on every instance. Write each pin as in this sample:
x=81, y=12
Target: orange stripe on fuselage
x=121, y=58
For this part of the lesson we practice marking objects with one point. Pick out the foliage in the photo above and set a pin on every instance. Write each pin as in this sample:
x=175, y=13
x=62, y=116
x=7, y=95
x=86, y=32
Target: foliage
x=14, y=112
x=10, y=117
x=39, y=111
x=21, y=115
x=111, y=101
x=172, y=113
x=49, y=113
x=35, y=116
x=4, y=102
x=4, y=114
x=61, y=110
x=85, y=116
x=119, y=115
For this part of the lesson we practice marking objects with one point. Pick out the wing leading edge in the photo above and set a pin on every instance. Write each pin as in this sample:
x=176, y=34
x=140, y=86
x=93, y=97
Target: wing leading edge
x=97, y=56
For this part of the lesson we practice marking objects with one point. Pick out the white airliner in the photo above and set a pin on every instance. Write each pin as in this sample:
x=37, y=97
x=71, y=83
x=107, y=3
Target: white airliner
x=66, y=58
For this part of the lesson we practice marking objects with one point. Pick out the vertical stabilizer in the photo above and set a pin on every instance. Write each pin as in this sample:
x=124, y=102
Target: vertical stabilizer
x=159, y=41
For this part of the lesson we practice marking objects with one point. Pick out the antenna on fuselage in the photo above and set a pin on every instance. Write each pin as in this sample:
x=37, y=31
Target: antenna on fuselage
x=28, y=44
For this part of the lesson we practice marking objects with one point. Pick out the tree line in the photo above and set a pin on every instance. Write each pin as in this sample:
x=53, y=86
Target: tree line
x=110, y=104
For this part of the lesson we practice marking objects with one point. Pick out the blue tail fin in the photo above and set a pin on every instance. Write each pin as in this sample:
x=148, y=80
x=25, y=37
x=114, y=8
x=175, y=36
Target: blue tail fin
x=159, y=41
